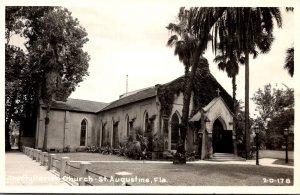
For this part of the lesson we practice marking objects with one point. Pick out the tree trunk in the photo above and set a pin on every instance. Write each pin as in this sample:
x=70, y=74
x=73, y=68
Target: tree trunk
x=7, y=122
x=186, y=105
x=247, y=131
x=234, y=113
x=7, y=140
x=47, y=120
x=188, y=87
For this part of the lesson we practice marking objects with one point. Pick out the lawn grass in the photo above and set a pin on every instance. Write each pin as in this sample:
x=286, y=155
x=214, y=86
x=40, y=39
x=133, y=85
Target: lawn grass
x=282, y=162
x=278, y=154
x=198, y=174
x=184, y=175
x=84, y=156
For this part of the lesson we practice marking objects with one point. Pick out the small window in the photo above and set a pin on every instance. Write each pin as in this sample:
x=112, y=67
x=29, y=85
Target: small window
x=127, y=126
x=146, y=123
x=83, y=133
x=103, y=142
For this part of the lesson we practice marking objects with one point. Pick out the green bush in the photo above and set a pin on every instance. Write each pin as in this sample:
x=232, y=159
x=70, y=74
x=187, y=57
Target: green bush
x=135, y=145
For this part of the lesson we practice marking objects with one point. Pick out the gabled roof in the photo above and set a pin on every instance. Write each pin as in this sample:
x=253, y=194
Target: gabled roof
x=138, y=96
x=197, y=116
x=215, y=100
x=79, y=105
x=205, y=87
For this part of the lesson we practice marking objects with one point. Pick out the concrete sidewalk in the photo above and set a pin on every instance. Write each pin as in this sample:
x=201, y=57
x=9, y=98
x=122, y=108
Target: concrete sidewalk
x=22, y=170
x=262, y=162
x=269, y=162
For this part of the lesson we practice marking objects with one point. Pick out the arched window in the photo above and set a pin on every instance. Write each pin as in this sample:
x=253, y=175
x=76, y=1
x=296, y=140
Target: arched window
x=146, y=122
x=115, y=137
x=104, y=142
x=83, y=132
x=174, y=131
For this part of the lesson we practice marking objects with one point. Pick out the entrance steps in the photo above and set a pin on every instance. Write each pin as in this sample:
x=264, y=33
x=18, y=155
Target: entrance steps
x=221, y=157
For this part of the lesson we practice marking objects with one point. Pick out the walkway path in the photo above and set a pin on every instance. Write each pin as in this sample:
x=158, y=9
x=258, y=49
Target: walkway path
x=22, y=170
x=262, y=162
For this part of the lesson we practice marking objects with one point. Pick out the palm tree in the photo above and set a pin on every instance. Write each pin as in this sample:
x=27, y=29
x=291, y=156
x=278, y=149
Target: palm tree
x=248, y=28
x=231, y=66
x=289, y=61
x=184, y=44
x=190, y=48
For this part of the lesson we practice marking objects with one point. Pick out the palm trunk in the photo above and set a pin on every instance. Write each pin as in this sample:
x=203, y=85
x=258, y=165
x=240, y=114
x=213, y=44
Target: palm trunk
x=7, y=141
x=247, y=131
x=234, y=113
x=189, y=84
x=186, y=106
x=47, y=120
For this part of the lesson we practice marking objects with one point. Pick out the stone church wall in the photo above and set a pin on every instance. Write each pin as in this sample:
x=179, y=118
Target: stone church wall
x=133, y=112
x=65, y=128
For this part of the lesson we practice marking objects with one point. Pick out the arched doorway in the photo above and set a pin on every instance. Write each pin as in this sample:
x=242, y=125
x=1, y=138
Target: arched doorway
x=174, y=131
x=217, y=136
x=221, y=138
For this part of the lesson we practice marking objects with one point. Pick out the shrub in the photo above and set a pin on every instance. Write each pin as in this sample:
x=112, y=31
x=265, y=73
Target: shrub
x=157, y=143
x=135, y=145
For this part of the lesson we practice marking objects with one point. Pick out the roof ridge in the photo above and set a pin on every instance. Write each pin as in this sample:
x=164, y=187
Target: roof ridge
x=128, y=98
x=85, y=100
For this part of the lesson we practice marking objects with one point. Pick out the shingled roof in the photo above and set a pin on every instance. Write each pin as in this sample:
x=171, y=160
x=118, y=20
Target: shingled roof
x=79, y=105
x=138, y=96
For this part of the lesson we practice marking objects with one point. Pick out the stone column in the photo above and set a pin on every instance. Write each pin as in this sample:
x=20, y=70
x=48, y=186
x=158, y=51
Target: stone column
x=44, y=158
x=31, y=153
x=63, y=162
x=38, y=155
x=83, y=173
x=50, y=160
x=234, y=143
x=210, y=145
x=34, y=154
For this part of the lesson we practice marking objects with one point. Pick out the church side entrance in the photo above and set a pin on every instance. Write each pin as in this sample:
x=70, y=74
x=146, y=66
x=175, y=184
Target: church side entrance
x=222, y=139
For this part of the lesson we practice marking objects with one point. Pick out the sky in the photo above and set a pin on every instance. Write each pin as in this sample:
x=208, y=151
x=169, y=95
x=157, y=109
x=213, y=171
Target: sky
x=129, y=38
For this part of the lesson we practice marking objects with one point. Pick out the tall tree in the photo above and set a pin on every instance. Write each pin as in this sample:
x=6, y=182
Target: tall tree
x=251, y=27
x=275, y=112
x=190, y=47
x=54, y=43
x=15, y=61
x=289, y=61
x=229, y=62
x=184, y=45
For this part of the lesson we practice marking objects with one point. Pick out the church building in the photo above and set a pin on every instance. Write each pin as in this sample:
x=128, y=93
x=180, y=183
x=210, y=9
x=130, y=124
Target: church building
x=77, y=124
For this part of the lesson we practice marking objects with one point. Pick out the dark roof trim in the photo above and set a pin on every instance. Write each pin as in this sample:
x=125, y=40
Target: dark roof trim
x=78, y=111
x=104, y=109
